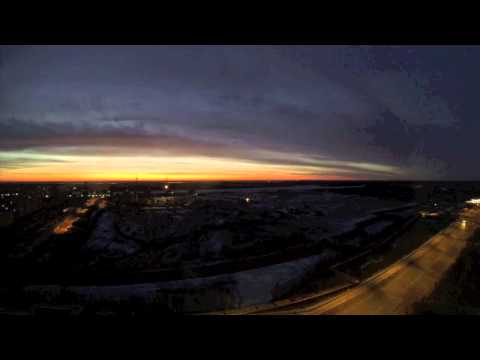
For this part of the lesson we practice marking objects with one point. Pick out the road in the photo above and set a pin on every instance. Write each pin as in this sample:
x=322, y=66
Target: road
x=66, y=224
x=397, y=288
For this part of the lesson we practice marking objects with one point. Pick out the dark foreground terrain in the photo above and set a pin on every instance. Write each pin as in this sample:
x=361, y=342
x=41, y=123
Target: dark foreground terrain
x=156, y=249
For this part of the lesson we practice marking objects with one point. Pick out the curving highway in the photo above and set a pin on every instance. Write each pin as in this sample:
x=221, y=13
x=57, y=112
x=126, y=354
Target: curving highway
x=396, y=289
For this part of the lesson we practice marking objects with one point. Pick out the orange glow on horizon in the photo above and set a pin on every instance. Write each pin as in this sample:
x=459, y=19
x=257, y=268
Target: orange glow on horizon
x=194, y=168
x=172, y=177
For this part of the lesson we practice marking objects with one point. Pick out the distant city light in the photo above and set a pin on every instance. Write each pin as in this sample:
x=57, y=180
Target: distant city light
x=425, y=214
x=474, y=201
x=247, y=200
x=165, y=187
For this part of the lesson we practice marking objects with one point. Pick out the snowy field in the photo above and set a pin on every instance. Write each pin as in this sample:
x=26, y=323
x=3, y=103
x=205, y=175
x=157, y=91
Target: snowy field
x=245, y=288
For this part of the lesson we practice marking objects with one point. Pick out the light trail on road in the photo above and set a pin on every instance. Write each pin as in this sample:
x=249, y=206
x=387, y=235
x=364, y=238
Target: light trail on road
x=67, y=223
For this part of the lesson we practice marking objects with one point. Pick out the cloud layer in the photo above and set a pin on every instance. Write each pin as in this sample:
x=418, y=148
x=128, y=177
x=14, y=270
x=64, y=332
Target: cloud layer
x=353, y=112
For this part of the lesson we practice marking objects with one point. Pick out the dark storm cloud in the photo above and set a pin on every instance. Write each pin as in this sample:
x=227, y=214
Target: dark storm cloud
x=408, y=108
x=16, y=134
x=393, y=134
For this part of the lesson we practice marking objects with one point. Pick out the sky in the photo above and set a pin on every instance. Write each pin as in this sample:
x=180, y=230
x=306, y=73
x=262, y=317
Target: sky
x=80, y=113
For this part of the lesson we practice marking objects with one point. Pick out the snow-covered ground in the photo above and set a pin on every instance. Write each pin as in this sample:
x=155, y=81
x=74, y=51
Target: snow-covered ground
x=104, y=237
x=245, y=288
x=338, y=225
x=276, y=188
x=377, y=228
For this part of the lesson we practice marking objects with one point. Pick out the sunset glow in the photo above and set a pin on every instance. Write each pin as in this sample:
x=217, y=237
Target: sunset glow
x=146, y=181
x=92, y=168
x=117, y=113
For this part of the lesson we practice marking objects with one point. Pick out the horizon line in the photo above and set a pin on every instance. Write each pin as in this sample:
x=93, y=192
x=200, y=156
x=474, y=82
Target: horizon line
x=239, y=180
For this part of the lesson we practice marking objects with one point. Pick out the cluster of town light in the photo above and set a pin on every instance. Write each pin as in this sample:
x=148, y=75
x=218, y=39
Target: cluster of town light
x=8, y=194
x=474, y=201
x=95, y=195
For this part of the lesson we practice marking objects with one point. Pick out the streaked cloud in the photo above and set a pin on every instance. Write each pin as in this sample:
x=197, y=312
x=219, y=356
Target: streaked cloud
x=308, y=111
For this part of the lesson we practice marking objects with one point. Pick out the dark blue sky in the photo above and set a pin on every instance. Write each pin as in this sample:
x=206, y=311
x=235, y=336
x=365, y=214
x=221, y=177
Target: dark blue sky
x=312, y=111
